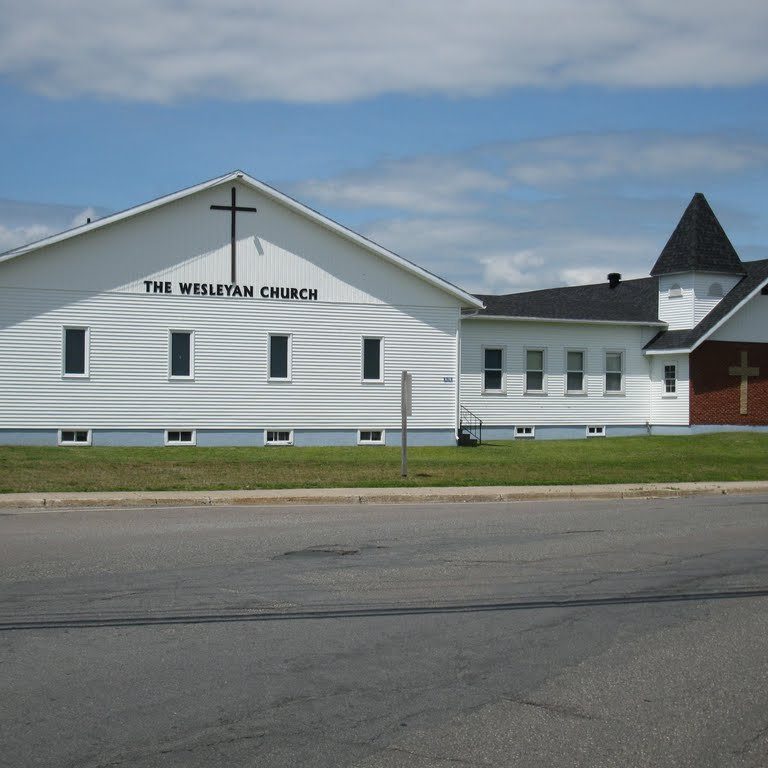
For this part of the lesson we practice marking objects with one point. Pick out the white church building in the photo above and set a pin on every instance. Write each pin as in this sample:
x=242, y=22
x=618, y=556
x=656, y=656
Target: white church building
x=230, y=314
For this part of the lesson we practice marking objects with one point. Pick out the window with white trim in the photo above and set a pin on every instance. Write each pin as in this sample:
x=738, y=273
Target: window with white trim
x=534, y=370
x=675, y=291
x=74, y=437
x=574, y=371
x=716, y=289
x=493, y=369
x=180, y=355
x=75, y=352
x=373, y=359
x=670, y=379
x=279, y=357
x=278, y=437
x=370, y=437
x=614, y=373
x=595, y=431
x=180, y=437
x=525, y=432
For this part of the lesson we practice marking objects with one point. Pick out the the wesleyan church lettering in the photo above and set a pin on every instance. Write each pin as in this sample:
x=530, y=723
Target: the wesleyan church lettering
x=225, y=289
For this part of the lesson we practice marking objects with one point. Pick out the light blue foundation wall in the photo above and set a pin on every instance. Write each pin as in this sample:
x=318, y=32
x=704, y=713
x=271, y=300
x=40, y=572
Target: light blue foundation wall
x=28, y=436
x=320, y=437
x=704, y=429
x=224, y=437
x=562, y=432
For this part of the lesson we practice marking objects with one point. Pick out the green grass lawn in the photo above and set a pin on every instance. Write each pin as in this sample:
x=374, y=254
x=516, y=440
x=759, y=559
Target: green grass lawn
x=726, y=456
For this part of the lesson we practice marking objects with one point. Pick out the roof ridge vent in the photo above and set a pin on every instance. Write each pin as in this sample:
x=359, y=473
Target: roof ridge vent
x=614, y=278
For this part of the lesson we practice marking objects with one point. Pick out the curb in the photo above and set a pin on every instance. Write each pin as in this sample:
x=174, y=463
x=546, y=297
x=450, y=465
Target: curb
x=37, y=501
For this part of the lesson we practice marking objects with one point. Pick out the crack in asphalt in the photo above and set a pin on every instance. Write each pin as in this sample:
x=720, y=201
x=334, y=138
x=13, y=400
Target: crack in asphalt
x=557, y=709
x=453, y=760
x=749, y=743
x=130, y=758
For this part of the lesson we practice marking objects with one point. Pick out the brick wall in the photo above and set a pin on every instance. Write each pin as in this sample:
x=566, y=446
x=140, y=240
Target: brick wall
x=715, y=394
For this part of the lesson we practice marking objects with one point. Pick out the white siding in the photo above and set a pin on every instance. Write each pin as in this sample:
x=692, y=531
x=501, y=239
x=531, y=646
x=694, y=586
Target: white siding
x=703, y=302
x=185, y=240
x=677, y=311
x=666, y=408
x=555, y=407
x=750, y=323
x=128, y=386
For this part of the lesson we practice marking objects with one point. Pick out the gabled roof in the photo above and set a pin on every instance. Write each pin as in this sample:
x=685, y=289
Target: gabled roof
x=699, y=244
x=688, y=339
x=289, y=202
x=631, y=301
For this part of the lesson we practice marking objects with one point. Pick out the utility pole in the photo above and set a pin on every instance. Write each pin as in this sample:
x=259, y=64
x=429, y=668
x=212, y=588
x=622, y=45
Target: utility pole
x=406, y=410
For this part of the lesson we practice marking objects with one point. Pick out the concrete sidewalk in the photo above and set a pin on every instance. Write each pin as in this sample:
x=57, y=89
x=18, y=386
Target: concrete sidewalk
x=41, y=501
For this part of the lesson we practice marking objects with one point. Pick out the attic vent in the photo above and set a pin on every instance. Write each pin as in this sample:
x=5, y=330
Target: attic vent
x=614, y=278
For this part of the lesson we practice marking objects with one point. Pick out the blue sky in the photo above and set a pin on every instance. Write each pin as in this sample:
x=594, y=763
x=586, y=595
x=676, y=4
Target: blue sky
x=503, y=145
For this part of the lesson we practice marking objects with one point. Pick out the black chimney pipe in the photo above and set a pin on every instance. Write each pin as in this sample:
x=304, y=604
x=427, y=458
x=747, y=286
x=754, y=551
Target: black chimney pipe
x=614, y=278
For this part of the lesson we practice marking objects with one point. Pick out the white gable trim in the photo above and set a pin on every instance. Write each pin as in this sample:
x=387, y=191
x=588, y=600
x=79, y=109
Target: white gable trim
x=727, y=317
x=289, y=202
x=523, y=319
x=681, y=351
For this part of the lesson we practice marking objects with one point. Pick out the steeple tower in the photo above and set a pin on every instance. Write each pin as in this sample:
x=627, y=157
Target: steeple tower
x=696, y=268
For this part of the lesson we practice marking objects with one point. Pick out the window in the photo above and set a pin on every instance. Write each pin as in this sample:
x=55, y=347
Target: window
x=574, y=371
x=675, y=291
x=524, y=431
x=534, y=370
x=716, y=289
x=181, y=355
x=614, y=372
x=370, y=437
x=670, y=379
x=594, y=431
x=180, y=437
x=493, y=369
x=278, y=437
x=280, y=357
x=74, y=437
x=75, y=352
x=373, y=363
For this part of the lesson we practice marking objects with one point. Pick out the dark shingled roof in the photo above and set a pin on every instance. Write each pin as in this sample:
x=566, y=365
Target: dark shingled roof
x=631, y=301
x=757, y=272
x=698, y=243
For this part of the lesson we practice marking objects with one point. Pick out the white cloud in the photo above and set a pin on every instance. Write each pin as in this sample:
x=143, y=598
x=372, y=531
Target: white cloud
x=13, y=237
x=339, y=50
x=564, y=160
x=463, y=183
x=481, y=229
x=421, y=185
x=23, y=223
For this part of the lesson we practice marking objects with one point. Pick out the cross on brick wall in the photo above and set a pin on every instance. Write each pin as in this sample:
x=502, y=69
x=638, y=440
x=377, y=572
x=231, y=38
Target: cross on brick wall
x=744, y=371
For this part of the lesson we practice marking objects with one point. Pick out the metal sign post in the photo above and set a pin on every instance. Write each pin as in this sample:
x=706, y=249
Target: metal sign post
x=406, y=410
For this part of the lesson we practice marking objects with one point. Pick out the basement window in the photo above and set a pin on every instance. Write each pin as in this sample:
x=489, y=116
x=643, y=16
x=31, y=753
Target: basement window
x=525, y=432
x=370, y=437
x=595, y=431
x=180, y=437
x=74, y=437
x=278, y=437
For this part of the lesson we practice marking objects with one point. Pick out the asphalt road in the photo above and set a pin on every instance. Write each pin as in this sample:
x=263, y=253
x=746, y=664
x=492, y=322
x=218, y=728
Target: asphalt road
x=612, y=633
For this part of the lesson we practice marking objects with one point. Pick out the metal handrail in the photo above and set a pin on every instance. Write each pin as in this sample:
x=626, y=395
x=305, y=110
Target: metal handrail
x=470, y=423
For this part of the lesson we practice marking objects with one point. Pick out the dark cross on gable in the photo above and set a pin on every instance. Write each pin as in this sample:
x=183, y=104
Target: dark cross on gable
x=233, y=208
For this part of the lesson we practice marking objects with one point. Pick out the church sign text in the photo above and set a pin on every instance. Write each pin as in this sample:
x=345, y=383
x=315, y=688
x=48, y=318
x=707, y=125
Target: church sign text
x=231, y=289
